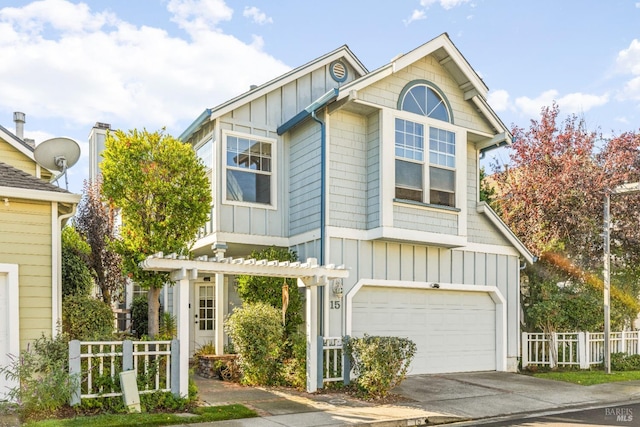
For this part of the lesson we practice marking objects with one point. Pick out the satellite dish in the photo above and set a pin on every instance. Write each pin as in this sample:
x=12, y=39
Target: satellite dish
x=57, y=154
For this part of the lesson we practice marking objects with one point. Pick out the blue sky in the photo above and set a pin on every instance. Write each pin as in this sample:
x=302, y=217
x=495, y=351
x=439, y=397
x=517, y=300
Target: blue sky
x=159, y=63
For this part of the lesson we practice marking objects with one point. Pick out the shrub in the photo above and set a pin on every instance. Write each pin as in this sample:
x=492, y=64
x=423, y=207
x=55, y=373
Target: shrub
x=140, y=316
x=295, y=366
x=86, y=319
x=625, y=362
x=257, y=334
x=42, y=372
x=253, y=289
x=380, y=363
x=168, y=327
x=76, y=275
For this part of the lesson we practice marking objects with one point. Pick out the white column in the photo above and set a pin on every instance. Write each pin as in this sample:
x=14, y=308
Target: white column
x=219, y=301
x=312, y=337
x=181, y=295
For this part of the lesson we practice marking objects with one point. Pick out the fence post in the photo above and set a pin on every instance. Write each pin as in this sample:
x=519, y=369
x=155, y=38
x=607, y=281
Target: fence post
x=346, y=362
x=320, y=362
x=623, y=342
x=525, y=350
x=553, y=350
x=582, y=350
x=127, y=355
x=637, y=342
x=175, y=367
x=75, y=371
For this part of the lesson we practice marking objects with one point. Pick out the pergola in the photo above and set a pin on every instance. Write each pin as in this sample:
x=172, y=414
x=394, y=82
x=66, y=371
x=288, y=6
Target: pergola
x=182, y=270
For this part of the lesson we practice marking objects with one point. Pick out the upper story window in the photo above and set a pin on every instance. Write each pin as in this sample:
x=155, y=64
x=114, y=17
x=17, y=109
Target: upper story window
x=425, y=176
x=205, y=153
x=249, y=168
x=421, y=98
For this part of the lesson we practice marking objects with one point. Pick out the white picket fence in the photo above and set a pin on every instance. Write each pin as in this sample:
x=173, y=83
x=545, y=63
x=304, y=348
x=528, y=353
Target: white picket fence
x=580, y=349
x=97, y=365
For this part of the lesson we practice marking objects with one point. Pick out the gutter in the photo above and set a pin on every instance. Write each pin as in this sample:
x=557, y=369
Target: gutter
x=308, y=112
x=195, y=125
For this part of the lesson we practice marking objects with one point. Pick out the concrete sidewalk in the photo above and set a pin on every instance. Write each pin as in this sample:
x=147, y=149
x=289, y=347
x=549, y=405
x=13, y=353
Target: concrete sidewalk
x=423, y=399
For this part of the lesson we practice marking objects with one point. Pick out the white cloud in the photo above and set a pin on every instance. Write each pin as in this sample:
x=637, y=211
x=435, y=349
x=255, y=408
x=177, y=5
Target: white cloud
x=258, y=17
x=573, y=103
x=66, y=62
x=499, y=100
x=417, y=15
x=628, y=60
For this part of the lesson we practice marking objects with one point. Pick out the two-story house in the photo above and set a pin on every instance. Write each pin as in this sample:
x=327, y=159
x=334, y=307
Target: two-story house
x=32, y=214
x=379, y=171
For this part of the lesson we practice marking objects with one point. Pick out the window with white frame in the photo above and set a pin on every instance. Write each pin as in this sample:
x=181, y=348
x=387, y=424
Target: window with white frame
x=249, y=168
x=426, y=177
x=205, y=153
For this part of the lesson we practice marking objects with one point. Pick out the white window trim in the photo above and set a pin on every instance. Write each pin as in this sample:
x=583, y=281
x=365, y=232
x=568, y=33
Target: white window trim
x=274, y=170
x=11, y=272
x=428, y=122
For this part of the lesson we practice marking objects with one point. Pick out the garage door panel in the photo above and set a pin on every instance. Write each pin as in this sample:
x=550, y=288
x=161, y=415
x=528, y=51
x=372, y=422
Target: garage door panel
x=454, y=331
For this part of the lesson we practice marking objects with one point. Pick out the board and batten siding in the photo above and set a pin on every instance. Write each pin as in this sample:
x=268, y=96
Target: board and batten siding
x=25, y=240
x=380, y=260
x=347, y=170
x=373, y=170
x=386, y=92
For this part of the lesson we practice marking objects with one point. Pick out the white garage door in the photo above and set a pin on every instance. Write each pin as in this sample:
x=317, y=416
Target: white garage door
x=454, y=331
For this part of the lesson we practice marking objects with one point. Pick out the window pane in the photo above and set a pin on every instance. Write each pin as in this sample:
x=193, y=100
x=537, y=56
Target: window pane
x=441, y=179
x=408, y=174
x=436, y=107
x=408, y=194
x=205, y=153
x=442, y=198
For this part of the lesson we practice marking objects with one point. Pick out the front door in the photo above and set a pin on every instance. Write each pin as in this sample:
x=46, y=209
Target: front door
x=205, y=314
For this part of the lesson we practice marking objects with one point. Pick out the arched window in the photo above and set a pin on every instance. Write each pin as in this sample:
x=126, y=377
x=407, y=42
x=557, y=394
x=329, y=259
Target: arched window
x=422, y=98
x=425, y=154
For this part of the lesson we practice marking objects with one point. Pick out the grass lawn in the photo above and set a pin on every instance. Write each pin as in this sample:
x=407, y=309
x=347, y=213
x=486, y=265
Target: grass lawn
x=200, y=415
x=589, y=377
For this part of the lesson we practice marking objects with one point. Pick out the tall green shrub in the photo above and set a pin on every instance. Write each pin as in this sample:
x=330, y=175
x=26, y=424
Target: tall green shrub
x=258, y=337
x=140, y=316
x=253, y=289
x=76, y=275
x=86, y=319
x=380, y=363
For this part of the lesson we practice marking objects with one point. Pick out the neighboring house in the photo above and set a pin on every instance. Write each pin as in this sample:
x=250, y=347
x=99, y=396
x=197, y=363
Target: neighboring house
x=378, y=171
x=32, y=214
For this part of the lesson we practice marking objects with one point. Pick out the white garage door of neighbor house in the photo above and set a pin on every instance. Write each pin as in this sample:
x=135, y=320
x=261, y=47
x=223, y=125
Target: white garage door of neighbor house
x=454, y=331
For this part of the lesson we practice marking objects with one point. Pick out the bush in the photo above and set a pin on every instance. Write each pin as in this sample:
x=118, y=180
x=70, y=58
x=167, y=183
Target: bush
x=295, y=366
x=86, y=319
x=625, y=362
x=257, y=334
x=140, y=315
x=76, y=275
x=380, y=363
x=42, y=372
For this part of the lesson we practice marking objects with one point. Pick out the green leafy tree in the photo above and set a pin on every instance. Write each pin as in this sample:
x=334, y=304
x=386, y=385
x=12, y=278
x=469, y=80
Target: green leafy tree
x=164, y=197
x=95, y=221
x=76, y=275
x=269, y=290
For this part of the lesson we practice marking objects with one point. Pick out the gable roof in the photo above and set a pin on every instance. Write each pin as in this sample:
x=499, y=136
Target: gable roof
x=221, y=109
x=448, y=55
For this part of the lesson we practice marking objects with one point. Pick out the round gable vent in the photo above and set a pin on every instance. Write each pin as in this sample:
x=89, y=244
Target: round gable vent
x=338, y=71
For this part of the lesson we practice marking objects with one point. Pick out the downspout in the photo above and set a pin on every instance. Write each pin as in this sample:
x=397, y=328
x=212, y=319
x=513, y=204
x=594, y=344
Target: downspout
x=56, y=273
x=323, y=168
